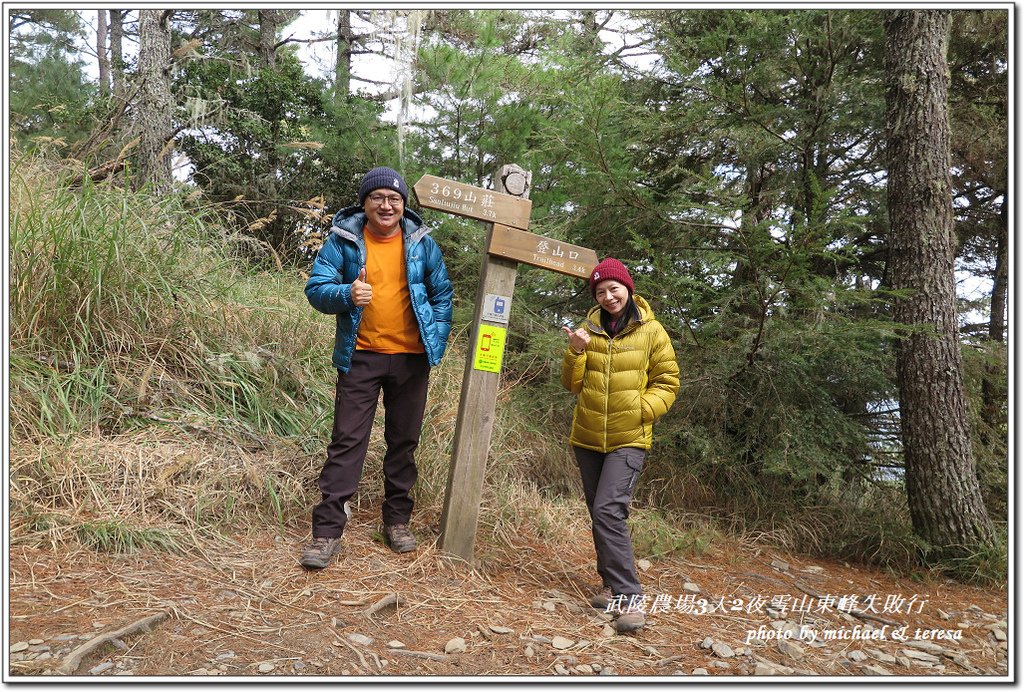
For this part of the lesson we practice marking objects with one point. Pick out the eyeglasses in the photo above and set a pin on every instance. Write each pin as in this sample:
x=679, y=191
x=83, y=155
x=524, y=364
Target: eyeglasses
x=393, y=200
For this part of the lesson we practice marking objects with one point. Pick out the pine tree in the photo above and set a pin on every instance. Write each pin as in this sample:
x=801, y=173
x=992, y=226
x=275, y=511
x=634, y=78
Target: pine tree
x=48, y=95
x=942, y=486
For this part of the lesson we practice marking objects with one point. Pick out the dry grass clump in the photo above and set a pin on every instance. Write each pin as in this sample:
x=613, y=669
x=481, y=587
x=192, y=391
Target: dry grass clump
x=158, y=387
x=152, y=488
x=169, y=483
x=128, y=310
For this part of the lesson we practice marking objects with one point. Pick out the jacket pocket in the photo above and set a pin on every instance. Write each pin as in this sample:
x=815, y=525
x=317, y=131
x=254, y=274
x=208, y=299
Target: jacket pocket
x=646, y=413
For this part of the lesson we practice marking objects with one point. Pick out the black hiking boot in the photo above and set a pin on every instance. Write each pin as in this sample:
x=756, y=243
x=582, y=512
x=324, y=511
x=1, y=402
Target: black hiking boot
x=400, y=538
x=319, y=552
x=602, y=598
x=630, y=622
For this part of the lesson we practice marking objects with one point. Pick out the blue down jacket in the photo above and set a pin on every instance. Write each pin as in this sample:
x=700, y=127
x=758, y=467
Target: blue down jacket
x=343, y=255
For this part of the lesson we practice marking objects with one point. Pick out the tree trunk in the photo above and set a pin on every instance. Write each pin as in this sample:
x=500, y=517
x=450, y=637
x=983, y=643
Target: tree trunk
x=343, y=60
x=942, y=486
x=117, y=55
x=269, y=21
x=991, y=385
x=153, y=123
x=103, y=57
x=1000, y=281
x=754, y=238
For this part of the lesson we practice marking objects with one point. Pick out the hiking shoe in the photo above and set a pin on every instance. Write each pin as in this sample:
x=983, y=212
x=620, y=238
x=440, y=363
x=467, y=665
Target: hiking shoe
x=630, y=622
x=319, y=552
x=400, y=538
x=602, y=598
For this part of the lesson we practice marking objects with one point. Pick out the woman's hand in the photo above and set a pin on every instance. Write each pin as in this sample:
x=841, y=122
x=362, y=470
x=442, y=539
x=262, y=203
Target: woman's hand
x=578, y=339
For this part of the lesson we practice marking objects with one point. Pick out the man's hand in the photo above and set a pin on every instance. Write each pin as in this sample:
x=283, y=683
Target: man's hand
x=578, y=339
x=362, y=292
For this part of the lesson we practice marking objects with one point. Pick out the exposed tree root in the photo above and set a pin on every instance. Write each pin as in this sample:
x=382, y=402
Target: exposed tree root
x=74, y=659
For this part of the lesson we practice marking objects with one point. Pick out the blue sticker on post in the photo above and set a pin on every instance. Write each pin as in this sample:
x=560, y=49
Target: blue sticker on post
x=496, y=308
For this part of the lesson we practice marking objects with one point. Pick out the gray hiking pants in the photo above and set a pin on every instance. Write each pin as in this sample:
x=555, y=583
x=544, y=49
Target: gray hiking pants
x=608, y=484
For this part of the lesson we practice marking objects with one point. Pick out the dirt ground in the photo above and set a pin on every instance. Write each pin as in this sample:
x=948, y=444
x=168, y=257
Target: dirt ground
x=246, y=608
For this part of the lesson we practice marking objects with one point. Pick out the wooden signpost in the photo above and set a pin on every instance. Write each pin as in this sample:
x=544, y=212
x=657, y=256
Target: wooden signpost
x=473, y=202
x=539, y=251
x=507, y=243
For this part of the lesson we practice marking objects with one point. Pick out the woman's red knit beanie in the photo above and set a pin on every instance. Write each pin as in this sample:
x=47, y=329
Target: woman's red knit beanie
x=610, y=268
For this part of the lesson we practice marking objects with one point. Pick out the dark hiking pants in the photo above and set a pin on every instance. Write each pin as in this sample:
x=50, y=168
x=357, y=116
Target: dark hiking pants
x=403, y=378
x=608, y=484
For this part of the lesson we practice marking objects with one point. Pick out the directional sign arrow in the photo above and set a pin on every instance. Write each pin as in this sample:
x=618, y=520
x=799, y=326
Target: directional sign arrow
x=472, y=202
x=540, y=251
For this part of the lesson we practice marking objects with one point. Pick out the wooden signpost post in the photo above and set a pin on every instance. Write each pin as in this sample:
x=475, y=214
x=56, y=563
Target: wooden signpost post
x=507, y=243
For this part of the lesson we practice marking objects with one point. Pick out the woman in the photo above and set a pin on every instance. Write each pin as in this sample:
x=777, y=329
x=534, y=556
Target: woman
x=621, y=365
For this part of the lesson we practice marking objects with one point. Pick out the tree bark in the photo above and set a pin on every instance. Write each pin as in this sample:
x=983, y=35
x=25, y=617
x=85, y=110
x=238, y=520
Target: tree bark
x=1000, y=280
x=117, y=55
x=343, y=60
x=269, y=21
x=992, y=387
x=943, y=491
x=103, y=57
x=153, y=122
x=754, y=237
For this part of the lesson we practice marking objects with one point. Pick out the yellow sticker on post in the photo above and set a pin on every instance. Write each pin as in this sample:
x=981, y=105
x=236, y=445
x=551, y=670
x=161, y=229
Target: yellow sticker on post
x=490, y=346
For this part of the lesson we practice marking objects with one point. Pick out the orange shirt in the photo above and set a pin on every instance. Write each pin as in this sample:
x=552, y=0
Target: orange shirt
x=388, y=324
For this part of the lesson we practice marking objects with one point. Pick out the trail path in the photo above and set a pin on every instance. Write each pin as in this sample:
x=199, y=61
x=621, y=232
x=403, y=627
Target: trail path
x=246, y=608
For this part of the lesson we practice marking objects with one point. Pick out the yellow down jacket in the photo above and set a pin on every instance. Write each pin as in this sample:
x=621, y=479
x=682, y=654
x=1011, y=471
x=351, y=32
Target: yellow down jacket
x=623, y=384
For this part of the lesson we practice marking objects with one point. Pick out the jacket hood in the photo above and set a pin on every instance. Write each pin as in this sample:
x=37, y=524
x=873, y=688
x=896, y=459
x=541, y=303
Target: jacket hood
x=354, y=218
x=594, y=316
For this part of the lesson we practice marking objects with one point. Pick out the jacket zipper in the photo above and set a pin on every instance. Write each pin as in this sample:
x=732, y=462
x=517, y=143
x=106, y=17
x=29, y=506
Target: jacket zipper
x=608, y=370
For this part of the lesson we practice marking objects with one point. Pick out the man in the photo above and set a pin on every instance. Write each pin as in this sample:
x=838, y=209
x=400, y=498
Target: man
x=384, y=279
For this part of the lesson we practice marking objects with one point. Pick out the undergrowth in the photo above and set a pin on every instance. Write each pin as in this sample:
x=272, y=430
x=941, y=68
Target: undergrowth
x=135, y=333
x=162, y=393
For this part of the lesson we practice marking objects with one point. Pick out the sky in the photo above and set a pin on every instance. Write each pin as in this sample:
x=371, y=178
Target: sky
x=318, y=58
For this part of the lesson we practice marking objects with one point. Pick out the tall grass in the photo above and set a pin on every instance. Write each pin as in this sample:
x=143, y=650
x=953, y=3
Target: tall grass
x=127, y=308
x=128, y=314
